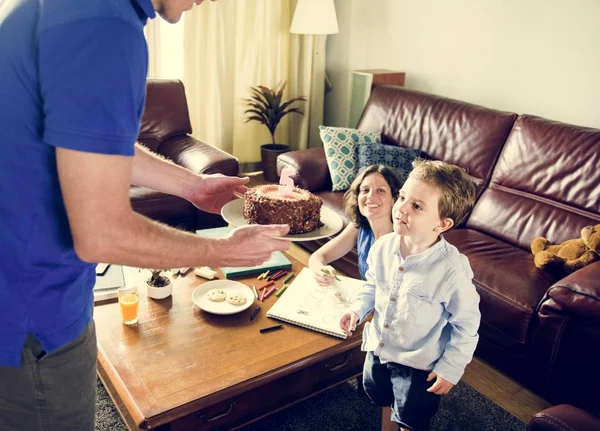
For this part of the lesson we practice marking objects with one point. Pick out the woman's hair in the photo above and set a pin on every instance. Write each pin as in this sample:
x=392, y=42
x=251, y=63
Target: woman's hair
x=351, y=196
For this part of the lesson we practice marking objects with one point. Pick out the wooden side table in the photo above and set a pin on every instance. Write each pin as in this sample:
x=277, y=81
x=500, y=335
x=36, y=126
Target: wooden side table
x=361, y=85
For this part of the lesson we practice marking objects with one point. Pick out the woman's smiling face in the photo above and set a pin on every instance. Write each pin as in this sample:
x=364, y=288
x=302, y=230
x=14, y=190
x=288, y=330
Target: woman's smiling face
x=375, y=198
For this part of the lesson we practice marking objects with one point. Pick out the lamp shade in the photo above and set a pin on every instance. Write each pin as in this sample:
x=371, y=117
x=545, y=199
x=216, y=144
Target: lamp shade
x=315, y=17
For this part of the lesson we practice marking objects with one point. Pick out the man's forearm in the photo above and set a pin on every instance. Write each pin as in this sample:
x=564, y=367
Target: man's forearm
x=135, y=240
x=154, y=172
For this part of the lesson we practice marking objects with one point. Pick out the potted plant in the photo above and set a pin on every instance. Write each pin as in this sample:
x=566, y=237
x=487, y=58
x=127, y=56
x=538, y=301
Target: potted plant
x=266, y=107
x=159, y=285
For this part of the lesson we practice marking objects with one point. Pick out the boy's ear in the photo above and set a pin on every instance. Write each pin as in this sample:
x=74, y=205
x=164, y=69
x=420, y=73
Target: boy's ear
x=445, y=224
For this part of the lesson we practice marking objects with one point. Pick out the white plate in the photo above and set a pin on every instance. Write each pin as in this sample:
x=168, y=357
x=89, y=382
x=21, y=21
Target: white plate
x=229, y=286
x=233, y=213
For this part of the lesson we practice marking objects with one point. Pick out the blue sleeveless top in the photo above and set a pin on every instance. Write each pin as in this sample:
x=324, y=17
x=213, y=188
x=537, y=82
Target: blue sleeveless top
x=366, y=238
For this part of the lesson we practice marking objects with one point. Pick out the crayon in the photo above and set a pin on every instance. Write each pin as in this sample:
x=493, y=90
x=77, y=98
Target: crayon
x=288, y=278
x=255, y=312
x=271, y=290
x=278, y=276
x=270, y=328
x=275, y=274
x=280, y=291
x=255, y=292
x=267, y=284
x=328, y=273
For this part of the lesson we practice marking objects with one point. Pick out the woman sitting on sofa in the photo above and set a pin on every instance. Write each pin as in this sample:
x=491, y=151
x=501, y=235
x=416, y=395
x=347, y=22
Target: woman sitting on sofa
x=368, y=204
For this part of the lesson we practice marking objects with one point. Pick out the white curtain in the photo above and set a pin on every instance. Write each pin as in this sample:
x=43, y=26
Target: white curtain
x=226, y=47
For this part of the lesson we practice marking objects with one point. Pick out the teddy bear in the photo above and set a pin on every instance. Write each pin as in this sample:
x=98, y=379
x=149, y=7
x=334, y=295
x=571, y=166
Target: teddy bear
x=569, y=256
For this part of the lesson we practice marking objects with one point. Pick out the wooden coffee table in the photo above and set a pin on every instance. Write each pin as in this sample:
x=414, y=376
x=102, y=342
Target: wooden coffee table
x=181, y=368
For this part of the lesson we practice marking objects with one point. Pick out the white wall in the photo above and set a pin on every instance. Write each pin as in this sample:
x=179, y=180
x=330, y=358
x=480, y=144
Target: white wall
x=540, y=57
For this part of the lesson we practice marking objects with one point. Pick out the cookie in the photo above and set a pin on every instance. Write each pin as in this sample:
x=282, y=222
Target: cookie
x=236, y=299
x=216, y=295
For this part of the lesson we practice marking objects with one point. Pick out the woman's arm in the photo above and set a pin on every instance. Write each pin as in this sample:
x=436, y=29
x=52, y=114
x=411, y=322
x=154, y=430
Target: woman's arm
x=333, y=250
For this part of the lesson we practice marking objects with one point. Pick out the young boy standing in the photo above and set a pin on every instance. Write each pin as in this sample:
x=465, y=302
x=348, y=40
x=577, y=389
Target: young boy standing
x=426, y=309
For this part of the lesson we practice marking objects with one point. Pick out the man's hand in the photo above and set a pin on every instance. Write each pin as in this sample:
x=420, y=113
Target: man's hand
x=441, y=386
x=215, y=190
x=348, y=322
x=252, y=245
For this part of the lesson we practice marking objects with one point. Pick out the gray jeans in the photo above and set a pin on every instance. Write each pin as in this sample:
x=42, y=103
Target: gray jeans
x=55, y=391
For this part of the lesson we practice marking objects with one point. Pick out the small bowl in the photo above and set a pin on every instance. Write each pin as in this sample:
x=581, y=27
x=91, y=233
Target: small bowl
x=160, y=292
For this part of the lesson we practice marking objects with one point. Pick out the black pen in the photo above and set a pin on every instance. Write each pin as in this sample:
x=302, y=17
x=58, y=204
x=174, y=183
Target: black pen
x=255, y=312
x=270, y=328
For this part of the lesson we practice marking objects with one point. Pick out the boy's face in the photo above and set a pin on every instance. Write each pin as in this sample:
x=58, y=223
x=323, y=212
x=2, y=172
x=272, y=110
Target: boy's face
x=416, y=212
x=171, y=10
x=375, y=199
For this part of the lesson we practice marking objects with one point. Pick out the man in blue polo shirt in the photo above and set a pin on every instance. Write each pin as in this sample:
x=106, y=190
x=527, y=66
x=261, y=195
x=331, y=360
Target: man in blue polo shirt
x=72, y=91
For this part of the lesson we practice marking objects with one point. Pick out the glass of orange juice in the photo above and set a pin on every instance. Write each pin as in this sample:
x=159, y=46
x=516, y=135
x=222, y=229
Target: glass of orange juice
x=129, y=300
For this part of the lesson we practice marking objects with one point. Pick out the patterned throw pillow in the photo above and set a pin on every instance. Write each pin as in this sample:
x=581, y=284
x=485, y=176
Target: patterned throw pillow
x=340, y=151
x=399, y=158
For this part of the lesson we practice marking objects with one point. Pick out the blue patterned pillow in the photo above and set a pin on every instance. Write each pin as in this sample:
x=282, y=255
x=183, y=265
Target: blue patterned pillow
x=340, y=145
x=399, y=158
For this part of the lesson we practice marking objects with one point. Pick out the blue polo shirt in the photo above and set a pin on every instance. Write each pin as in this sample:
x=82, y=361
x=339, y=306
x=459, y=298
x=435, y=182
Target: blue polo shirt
x=73, y=75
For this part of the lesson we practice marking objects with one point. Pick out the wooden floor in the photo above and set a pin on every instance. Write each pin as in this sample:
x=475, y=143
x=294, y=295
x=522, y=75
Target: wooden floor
x=484, y=378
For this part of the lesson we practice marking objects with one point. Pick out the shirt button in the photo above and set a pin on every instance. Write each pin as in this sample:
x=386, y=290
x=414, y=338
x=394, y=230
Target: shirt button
x=392, y=299
x=386, y=326
x=401, y=269
x=380, y=344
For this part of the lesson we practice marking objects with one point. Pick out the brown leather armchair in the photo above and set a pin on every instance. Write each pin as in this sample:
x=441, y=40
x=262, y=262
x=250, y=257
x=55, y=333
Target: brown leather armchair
x=564, y=417
x=535, y=177
x=166, y=129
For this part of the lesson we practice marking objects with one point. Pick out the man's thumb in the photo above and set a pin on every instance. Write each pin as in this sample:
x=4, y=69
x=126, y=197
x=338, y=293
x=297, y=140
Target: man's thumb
x=431, y=376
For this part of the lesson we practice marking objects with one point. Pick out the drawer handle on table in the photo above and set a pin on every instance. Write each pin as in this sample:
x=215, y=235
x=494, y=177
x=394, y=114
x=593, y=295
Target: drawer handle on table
x=214, y=418
x=338, y=366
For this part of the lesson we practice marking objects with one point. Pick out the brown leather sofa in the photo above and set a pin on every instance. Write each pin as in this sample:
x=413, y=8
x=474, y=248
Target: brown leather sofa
x=534, y=177
x=564, y=418
x=166, y=129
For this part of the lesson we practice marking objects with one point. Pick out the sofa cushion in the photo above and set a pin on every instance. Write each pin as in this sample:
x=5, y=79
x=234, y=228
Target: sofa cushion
x=546, y=183
x=340, y=145
x=509, y=285
x=398, y=158
x=466, y=135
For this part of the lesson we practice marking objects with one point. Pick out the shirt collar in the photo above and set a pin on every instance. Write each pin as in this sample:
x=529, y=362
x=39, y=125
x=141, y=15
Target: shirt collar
x=439, y=244
x=147, y=7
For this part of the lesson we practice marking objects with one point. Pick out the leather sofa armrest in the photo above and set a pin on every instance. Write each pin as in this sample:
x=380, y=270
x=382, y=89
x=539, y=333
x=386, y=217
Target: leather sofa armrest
x=197, y=156
x=578, y=293
x=563, y=417
x=311, y=165
x=574, y=300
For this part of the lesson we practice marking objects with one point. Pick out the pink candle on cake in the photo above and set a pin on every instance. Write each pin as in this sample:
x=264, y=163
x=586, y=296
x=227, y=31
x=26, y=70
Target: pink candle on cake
x=286, y=183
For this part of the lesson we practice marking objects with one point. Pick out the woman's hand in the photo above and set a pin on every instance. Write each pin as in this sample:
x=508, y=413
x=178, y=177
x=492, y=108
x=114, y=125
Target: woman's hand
x=325, y=275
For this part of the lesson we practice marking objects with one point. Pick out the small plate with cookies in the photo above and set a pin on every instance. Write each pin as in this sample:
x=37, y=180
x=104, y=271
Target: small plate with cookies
x=223, y=297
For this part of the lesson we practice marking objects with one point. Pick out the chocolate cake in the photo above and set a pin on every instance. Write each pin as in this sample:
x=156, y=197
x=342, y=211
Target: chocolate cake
x=266, y=205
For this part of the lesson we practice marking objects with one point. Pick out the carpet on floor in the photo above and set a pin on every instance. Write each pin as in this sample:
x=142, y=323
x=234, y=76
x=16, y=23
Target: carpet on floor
x=344, y=408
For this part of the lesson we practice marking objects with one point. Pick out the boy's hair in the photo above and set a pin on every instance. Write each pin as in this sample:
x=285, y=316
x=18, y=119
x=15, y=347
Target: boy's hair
x=351, y=196
x=457, y=190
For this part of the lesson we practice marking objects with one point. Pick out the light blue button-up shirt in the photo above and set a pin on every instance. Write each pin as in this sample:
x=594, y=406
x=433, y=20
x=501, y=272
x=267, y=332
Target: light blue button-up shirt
x=426, y=308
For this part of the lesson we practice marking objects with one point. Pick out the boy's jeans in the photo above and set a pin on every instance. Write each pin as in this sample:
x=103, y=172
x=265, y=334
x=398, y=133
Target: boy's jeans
x=404, y=389
x=55, y=391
